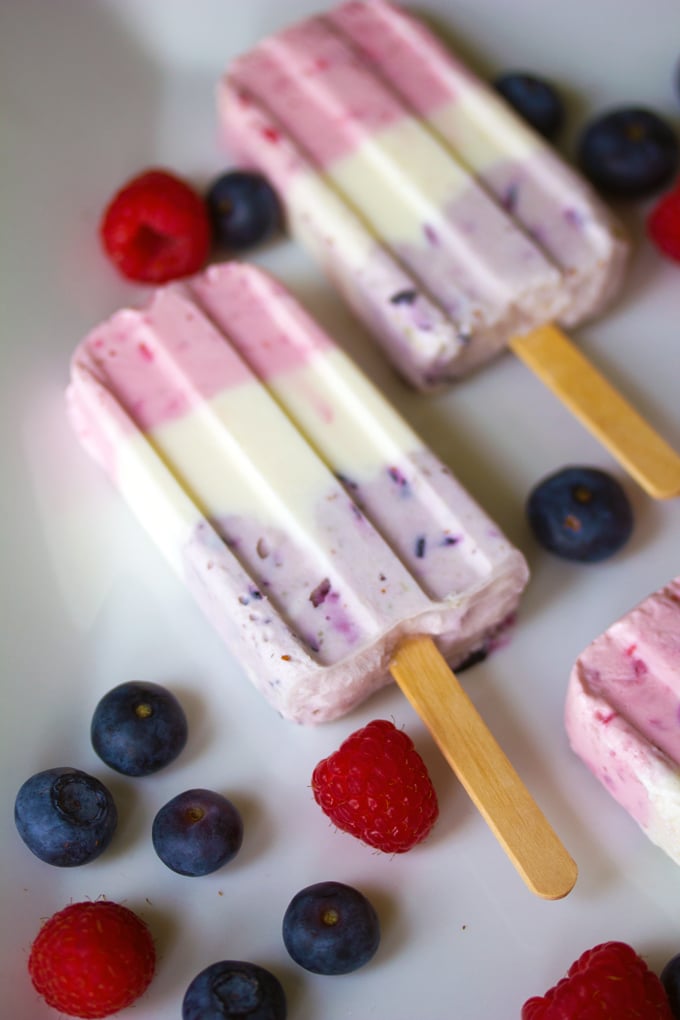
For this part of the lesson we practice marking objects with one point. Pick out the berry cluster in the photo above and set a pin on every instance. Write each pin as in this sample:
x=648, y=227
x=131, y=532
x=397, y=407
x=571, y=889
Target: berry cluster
x=92, y=959
x=157, y=227
x=67, y=817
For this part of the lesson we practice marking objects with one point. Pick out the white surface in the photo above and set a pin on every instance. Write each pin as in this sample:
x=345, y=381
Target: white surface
x=93, y=92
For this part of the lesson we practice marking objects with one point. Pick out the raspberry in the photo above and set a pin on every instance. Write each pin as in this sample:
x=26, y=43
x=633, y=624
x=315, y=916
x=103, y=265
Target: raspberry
x=156, y=228
x=608, y=982
x=92, y=959
x=663, y=224
x=377, y=787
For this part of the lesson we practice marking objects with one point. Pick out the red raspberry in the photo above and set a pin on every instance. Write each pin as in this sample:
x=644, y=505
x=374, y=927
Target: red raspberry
x=608, y=982
x=92, y=959
x=377, y=787
x=156, y=228
x=663, y=224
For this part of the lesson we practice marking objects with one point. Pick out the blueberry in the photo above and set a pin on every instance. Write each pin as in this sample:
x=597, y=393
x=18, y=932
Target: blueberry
x=243, y=208
x=234, y=989
x=628, y=152
x=138, y=728
x=330, y=928
x=65, y=817
x=197, y=832
x=534, y=99
x=580, y=513
x=670, y=979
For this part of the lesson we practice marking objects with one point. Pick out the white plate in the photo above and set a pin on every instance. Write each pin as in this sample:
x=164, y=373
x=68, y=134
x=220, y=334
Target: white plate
x=93, y=92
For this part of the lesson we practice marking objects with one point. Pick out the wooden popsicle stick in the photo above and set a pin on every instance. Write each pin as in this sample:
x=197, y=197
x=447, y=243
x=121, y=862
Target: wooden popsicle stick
x=600, y=407
x=482, y=767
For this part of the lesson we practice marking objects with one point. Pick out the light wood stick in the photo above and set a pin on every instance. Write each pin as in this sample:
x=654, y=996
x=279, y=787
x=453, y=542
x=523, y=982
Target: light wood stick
x=482, y=767
x=600, y=407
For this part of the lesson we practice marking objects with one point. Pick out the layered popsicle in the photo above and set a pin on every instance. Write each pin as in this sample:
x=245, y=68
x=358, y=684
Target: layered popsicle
x=623, y=714
x=325, y=542
x=310, y=522
x=451, y=228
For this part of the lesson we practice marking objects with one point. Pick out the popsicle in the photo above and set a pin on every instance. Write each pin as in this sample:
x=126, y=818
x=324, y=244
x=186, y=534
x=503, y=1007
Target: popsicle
x=449, y=226
x=623, y=714
x=324, y=541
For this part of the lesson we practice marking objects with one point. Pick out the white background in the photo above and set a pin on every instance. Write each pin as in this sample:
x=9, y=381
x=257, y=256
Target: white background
x=92, y=92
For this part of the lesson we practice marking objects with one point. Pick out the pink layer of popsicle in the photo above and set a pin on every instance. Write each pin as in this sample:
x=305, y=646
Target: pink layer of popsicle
x=124, y=348
x=622, y=711
x=351, y=52
x=388, y=37
x=613, y=751
x=290, y=67
x=635, y=668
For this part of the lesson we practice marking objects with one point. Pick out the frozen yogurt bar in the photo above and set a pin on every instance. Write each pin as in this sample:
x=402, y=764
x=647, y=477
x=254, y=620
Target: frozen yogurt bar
x=312, y=525
x=450, y=227
x=447, y=223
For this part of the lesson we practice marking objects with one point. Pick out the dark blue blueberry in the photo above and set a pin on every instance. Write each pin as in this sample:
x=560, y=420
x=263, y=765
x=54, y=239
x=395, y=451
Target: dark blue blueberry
x=330, y=928
x=197, y=832
x=138, y=728
x=234, y=989
x=628, y=152
x=65, y=817
x=670, y=979
x=243, y=208
x=534, y=99
x=580, y=513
